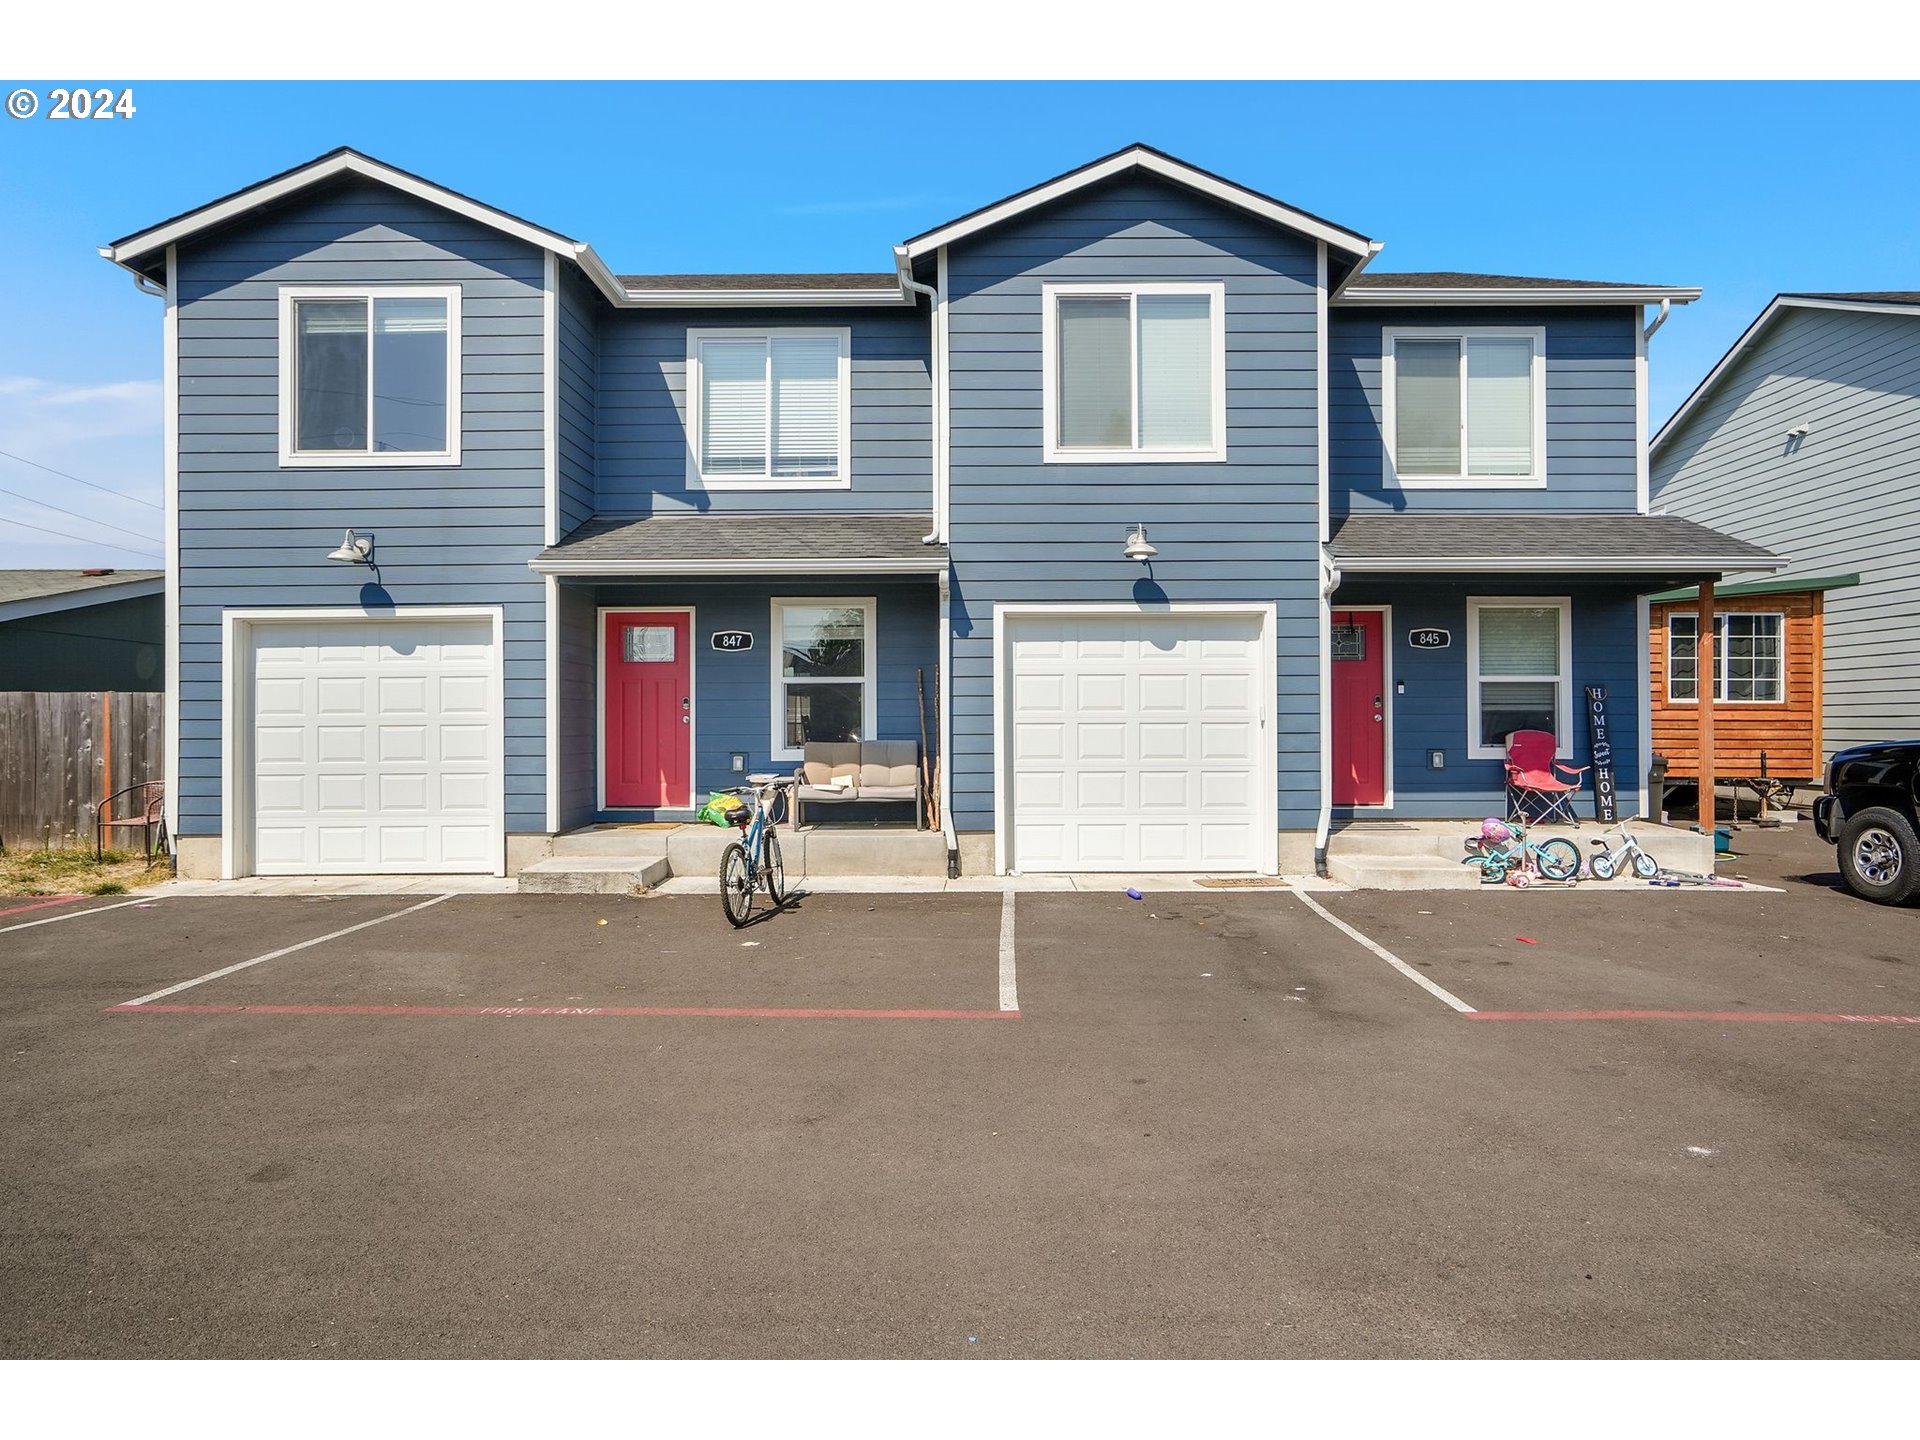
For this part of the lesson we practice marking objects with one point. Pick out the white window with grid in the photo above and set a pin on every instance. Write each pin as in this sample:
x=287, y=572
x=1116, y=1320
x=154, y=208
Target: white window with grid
x=1749, y=658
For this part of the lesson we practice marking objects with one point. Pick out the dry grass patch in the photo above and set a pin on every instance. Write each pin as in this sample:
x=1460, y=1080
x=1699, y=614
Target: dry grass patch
x=76, y=872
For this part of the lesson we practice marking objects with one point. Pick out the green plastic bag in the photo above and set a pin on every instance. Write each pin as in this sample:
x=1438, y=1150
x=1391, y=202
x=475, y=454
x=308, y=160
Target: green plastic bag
x=718, y=807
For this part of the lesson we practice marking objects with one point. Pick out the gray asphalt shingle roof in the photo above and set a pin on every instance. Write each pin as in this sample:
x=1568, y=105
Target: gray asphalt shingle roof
x=721, y=539
x=1540, y=542
x=38, y=584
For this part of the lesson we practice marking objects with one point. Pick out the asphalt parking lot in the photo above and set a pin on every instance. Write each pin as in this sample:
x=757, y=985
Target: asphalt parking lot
x=1216, y=1124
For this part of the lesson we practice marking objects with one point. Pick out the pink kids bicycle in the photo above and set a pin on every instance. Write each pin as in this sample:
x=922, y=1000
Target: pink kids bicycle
x=1504, y=854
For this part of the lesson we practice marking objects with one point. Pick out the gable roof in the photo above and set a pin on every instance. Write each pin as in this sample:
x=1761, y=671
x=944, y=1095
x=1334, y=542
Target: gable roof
x=1873, y=302
x=1447, y=287
x=139, y=251
x=1146, y=160
x=43, y=592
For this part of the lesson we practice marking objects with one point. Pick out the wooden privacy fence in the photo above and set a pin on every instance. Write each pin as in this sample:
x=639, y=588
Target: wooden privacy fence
x=62, y=751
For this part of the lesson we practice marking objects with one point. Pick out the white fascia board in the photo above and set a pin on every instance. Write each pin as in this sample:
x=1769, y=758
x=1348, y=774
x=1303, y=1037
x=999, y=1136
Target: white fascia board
x=80, y=599
x=1211, y=186
x=761, y=299
x=1468, y=295
x=1546, y=564
x=891, y=565
x=1752, y=333
x=1374, y=247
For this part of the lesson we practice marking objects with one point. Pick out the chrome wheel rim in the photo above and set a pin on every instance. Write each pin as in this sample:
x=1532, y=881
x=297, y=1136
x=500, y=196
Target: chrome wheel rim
x=1877, y=856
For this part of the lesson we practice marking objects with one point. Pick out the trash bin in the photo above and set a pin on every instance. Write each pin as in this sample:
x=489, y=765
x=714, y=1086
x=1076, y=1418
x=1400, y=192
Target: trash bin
x=1657, y=787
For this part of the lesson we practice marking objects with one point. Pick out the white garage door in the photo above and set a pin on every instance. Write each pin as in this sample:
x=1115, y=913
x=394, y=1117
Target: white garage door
x=373, y=747
x=1137, y=743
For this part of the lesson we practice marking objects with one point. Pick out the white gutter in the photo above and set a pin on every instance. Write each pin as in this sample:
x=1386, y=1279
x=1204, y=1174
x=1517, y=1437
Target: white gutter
x=937, y=323
x=1519, y=295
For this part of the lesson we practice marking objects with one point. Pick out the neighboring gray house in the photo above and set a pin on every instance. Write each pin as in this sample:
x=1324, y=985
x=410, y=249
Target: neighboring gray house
x=1805, y=439
x=82, y=630
x=1204, y=536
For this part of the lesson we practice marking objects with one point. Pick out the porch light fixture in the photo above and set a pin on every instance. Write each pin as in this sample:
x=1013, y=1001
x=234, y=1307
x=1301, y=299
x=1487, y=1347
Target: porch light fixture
x=1137, y=547
x=354, y=549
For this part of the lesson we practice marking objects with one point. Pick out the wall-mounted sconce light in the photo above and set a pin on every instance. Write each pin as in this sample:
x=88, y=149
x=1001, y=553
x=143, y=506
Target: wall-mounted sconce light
x=1137, y=547
x=354, y=549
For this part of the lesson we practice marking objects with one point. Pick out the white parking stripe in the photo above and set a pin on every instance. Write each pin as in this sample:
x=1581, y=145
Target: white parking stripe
x=77, y=915
x=276, y=954
x=1009, y=991
x=1446, y=996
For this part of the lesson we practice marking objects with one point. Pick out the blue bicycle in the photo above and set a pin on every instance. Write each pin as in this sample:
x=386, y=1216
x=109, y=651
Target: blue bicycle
x=753, y=861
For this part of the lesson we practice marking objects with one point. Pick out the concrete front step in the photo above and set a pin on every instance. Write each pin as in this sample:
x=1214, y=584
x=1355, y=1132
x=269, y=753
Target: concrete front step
x=1402, y=872
x=621, y=840
x=593, y=875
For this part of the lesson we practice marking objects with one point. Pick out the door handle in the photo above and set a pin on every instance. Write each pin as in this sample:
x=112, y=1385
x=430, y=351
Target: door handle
x=685, y=705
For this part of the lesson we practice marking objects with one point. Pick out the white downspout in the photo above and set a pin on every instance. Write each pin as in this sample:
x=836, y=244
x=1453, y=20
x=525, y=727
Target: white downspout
x=937, y=372
x=1329, y=582
x=1666, y=307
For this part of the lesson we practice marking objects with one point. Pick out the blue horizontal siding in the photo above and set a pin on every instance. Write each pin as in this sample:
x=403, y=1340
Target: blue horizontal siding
x=641, y=415
x=1245, y=530
x=733, y=691
x=254, y=535
x=1592, y=426
x=1432, y=713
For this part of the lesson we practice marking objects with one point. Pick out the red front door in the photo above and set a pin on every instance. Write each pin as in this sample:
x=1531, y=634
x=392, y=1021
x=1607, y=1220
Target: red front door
x=1359, y=707
x=648, y=694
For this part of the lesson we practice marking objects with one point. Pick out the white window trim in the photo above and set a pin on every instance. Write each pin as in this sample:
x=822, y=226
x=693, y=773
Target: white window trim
x=1390, y=335
x=1053, y=453
x=1720, y=656
x=350, y=459
x=696, y=480
x=869, y=678
x=1563, y=706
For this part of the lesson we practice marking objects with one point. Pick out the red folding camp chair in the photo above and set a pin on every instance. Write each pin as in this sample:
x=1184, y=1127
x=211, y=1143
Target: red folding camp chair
x=1535, y=792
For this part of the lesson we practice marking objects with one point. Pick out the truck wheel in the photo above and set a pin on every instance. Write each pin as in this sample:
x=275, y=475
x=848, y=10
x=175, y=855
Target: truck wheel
x=1880, y=855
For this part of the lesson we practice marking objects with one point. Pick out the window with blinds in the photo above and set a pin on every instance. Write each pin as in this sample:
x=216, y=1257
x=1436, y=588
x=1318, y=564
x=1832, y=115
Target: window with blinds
x=1520, y=673
x=1464, y=407
x=769, y=409
x=1135, y=372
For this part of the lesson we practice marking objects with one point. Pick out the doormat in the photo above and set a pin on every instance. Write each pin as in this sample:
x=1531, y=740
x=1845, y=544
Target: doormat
x=1241, y=882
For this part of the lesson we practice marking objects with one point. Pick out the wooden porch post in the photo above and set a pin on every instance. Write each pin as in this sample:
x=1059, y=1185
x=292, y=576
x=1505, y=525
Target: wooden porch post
x=1705, y=669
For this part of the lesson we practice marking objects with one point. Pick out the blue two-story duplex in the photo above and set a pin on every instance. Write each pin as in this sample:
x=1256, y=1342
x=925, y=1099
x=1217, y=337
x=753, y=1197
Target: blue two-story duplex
x=1180, y=533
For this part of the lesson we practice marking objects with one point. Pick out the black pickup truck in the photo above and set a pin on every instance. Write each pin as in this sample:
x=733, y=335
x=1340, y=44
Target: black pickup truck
x=1870, y=811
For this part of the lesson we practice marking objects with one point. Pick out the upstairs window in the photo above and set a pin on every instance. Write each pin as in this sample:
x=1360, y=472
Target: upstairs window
x=369, y=377
x=1748, y=650
x=768, y=410
x=1135, y=373
x=1465, y=408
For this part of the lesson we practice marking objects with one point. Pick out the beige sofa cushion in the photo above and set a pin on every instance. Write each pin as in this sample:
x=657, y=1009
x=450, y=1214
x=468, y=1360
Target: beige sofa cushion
x=889, y=764
x=826, y=761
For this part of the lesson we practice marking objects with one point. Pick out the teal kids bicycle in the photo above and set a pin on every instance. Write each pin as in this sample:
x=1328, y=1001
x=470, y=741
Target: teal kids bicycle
x=753, y=861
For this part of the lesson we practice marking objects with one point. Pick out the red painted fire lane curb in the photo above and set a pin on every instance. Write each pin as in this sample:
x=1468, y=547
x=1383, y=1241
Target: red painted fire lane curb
x=721, y=1012
x=42, y=905
x=1734, y=1015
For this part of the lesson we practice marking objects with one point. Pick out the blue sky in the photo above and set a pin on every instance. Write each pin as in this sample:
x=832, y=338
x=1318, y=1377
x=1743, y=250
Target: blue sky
x=1744, y=189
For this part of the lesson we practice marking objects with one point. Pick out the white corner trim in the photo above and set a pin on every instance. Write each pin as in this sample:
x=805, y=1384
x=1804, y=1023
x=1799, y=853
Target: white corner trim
x=170, y=442
x=236, y=713
x=550, y=430
x=552, y=668
x=694, y=405
x=943, y=407
x=1390, y=335
x=286, y=362
x=1563, y=743
x=1321, y=369
x=868, y=606
x=1053, y=453
x=1139, y=158
x=1642, y=469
